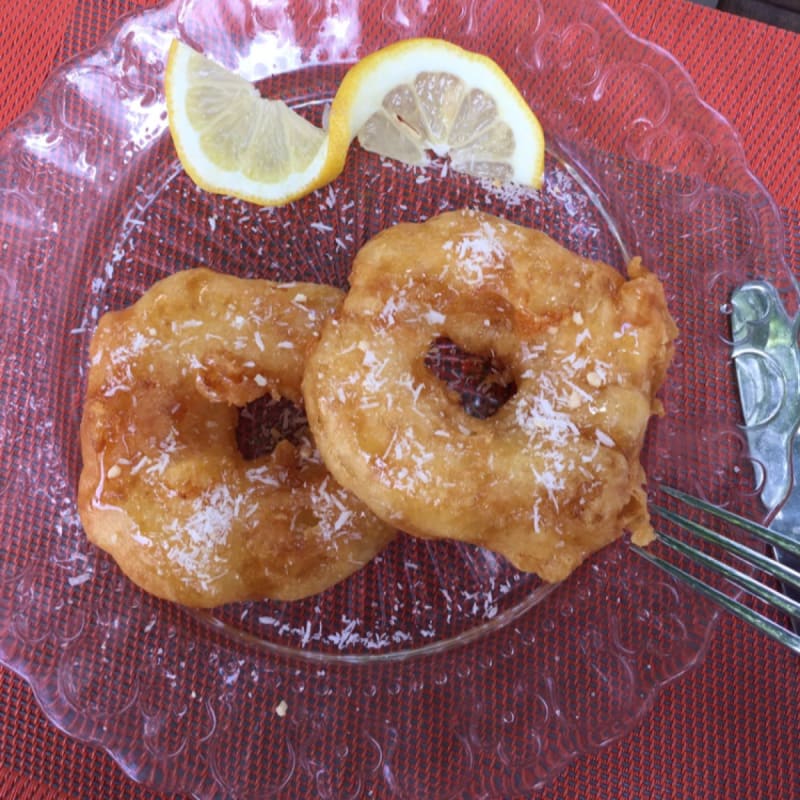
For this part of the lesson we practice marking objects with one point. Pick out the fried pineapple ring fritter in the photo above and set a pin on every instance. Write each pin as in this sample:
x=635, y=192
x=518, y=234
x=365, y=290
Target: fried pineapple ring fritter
x=164, y=488
x=554, y=475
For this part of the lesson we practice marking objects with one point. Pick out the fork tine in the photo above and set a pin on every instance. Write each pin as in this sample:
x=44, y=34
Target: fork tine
x=765, y=625
x=763, y=562
x=750, y=584
x=780, y=540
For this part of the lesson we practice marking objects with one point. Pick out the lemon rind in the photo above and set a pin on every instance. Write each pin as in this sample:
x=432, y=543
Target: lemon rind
x=323, y=168
x=370, y=79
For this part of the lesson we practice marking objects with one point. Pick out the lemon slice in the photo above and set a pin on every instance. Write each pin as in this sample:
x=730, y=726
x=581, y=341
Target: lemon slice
x=232, y=141
x=422, y=95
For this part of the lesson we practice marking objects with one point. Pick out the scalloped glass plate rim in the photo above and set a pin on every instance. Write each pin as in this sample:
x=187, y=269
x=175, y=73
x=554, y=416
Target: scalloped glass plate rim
x=39, y=681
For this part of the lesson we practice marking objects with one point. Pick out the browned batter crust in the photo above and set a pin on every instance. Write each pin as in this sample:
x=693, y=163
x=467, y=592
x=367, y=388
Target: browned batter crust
x=555, y=474
x=164, y=488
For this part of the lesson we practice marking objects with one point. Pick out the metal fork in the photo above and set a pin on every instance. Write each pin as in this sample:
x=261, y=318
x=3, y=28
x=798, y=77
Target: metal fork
x=785, y=574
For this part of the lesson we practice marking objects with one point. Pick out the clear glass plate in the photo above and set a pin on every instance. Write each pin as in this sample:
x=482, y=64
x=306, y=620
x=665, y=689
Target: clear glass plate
x=438, y=671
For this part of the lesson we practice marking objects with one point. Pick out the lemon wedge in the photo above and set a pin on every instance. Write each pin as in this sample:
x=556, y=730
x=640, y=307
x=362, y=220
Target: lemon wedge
x=232, y=141
x=403, y=101
x=422, y=95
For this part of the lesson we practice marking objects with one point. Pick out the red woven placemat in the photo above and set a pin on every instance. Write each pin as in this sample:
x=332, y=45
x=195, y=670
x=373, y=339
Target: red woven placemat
x=748, y=71
x=728, y=729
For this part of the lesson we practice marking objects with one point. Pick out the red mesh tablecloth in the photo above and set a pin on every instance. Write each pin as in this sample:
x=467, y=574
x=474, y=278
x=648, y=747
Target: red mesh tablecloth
x=727, y=729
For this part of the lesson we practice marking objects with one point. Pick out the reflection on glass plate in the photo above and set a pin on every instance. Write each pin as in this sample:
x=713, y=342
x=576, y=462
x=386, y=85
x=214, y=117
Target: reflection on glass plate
x=438, y=671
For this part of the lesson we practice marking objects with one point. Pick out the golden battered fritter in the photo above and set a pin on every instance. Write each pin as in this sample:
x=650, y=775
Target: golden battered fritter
x=164, y=488
x=554, y=475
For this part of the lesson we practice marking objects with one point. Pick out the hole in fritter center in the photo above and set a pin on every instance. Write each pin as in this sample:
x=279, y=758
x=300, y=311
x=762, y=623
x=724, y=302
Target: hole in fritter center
x=266, y=422
x=484, y=384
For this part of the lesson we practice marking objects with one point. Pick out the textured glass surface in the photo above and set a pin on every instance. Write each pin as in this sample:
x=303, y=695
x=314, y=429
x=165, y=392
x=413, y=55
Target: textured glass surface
x=438, y=671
